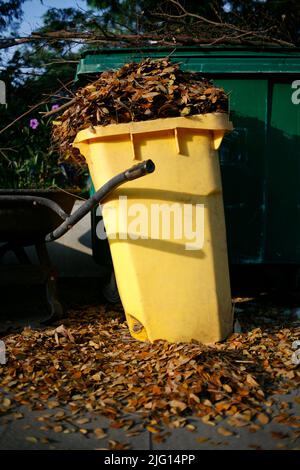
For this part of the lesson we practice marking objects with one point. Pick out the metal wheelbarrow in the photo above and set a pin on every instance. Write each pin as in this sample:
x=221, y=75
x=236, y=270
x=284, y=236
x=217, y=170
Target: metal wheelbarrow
x=34, y=217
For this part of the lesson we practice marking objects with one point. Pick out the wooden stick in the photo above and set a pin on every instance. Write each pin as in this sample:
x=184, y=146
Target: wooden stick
x=63, y=106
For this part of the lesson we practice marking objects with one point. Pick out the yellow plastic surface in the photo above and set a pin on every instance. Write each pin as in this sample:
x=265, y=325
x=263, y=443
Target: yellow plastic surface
x=168, y=292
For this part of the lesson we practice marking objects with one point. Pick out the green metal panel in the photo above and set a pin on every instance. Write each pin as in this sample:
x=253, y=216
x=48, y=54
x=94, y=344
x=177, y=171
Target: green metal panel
x=206, y=60
x=283, y=175
x=260, y=158
x=243, y=169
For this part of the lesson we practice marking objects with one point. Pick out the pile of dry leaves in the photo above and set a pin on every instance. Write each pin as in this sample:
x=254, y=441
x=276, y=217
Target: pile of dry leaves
x=92, y=363
x=141, y=91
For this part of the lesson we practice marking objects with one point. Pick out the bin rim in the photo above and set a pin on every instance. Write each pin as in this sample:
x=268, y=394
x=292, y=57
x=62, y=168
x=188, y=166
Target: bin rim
x=209, y=122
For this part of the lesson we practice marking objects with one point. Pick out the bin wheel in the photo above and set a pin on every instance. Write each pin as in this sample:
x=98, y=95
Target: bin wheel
x=110, y=290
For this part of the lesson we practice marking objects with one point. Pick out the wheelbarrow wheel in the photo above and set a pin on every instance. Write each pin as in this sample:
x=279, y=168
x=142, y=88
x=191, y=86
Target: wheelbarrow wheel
x=110, y=290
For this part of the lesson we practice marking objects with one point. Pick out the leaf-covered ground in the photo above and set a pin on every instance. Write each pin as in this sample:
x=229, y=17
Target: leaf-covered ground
x=91, y=364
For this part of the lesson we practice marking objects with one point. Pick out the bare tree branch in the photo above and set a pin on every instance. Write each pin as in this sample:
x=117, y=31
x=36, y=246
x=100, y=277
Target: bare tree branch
x=134, y=39
x=261, y=35
x=59, y=61
x=61, y=108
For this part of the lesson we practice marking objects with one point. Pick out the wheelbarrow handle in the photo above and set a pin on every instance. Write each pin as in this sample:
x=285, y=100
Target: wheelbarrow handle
x=137, y=171
x=36, y=201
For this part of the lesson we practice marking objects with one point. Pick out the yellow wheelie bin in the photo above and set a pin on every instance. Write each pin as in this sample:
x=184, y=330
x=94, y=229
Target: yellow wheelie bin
x=167, y=230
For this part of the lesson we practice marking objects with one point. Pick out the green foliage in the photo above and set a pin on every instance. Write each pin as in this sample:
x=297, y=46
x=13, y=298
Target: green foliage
x=32, y=74
x=56, y=19
x=30, y=163
x=26, y=160
x=10, y=12
x=276, y=18
x=118, y=15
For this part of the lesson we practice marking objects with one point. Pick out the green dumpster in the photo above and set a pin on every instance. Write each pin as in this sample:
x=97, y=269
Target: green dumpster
x=260, y=160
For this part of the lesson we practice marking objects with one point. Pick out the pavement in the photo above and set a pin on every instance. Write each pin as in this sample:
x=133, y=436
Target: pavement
x=24, y=429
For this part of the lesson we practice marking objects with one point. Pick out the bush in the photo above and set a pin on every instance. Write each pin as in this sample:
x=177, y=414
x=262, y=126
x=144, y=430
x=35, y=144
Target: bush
x=27, y=160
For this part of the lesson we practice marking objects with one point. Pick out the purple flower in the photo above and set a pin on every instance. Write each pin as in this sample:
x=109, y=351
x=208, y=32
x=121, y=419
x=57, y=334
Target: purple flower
x=34, y=123
x=54, y=106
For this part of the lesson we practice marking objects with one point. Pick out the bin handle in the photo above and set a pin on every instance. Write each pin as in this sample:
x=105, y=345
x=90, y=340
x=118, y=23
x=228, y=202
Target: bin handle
x=136, y=171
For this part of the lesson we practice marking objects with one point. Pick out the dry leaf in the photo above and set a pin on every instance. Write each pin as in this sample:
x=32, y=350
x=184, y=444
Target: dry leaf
x=83, y=431
x=31, y=439
x=263, y=418
x=152, y=429
x=58, y=429
x=100, y=433
x=279, y=435
x=53, y=404
x=178, y=404
x=191, y=427
x=6, y=402
x=224, y=432
x=82, y=421
x=61, y=330
x=202, y=439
